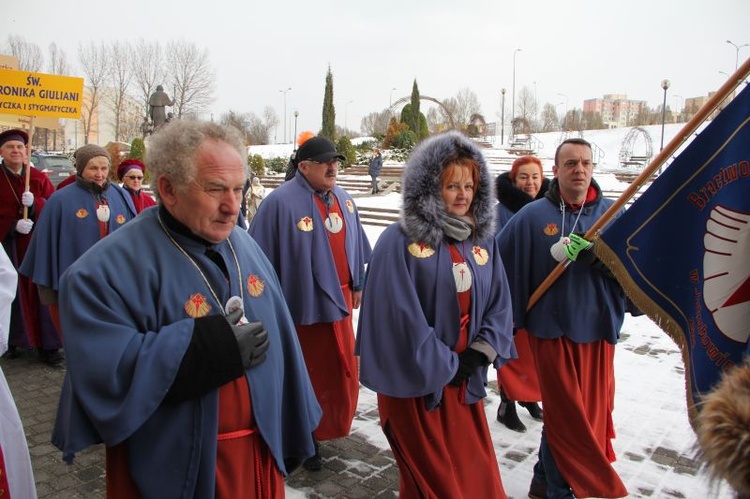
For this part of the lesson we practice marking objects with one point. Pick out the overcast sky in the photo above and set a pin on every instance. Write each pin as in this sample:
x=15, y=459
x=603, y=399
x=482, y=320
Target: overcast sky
x=580, y=49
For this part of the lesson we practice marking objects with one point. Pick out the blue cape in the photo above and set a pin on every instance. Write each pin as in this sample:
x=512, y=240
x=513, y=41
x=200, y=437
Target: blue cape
x=124, y=310
x=67, y=228
x=303, y=259
x=409, y=321
x=583, y=304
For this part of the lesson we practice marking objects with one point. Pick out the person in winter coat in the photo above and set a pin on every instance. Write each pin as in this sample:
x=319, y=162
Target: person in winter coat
x=376, y=164
x=435, y=314
x=515, y=189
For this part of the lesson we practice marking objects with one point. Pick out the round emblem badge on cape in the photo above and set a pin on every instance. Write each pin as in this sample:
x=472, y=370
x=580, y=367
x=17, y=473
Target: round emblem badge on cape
x=102, y=213
x=305, y=224
x=551, y=229
x=480, y=255
x=334, y=223
x=462, y=276
x=558, y=249
x=82, y=213
x=350, y=205
x=255, y=285
x=120, y=219
x=197, y=306
x=421, y=250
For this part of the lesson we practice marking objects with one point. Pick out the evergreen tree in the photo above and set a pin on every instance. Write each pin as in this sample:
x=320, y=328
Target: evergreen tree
x=414, y=124
x=329, y=112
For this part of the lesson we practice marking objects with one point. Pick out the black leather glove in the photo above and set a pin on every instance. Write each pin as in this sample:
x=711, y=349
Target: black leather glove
x=468, y=361
x=251, y=337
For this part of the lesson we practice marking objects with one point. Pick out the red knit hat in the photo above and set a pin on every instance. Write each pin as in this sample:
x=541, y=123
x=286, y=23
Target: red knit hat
x=128, y=165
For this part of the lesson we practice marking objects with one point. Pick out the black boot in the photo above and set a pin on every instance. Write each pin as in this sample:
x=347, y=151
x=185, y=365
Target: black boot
x=314, y=463
x=507, y=415
x=534, y=409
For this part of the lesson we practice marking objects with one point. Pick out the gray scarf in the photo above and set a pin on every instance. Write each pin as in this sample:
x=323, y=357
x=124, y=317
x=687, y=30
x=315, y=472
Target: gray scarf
x=458, y=228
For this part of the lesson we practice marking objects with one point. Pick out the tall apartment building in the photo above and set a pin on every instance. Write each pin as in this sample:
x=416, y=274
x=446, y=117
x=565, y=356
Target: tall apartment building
x=616, y=110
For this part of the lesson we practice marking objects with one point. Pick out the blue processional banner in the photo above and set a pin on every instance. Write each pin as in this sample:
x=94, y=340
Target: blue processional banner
x=682, y=250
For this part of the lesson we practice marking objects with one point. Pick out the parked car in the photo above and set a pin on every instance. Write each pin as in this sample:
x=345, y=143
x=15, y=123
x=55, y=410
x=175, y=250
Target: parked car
x=58, y=167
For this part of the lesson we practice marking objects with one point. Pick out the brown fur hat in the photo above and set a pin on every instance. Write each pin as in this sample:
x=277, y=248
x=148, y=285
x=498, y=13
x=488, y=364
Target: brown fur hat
x=724, y=430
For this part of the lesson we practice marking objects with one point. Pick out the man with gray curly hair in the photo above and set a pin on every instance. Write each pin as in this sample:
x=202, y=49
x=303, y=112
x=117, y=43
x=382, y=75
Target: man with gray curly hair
x=208, y=395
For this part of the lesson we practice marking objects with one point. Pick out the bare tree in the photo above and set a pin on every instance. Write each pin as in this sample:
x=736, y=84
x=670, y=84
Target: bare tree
x=192, y=78
x=375, y=124
x=148, y=69
x=527, y=108
x=549, y=120
x=119, y=77
x=467, y=105
x=29, y=54
x=58, y=60
x=94, y=62
x=270, y=120
x=259, y=133
x=239, y=121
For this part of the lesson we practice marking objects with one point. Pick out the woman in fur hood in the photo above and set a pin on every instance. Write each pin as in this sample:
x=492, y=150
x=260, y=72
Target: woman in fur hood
x=515, y=189
x=435, y=313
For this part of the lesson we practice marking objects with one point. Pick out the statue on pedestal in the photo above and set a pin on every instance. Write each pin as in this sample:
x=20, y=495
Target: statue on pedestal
x=157, y=102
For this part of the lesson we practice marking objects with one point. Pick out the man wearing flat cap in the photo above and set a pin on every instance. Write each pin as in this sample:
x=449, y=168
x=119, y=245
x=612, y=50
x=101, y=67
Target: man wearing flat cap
x=75, y=219
x=31, y=327
x=310, y=230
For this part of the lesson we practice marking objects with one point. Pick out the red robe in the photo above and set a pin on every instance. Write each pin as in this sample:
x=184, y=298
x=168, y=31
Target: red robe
x=518, y=377
x=579, y=434
x=12, y=187
x=446, y=452
x=244, y=465
x=141, y=200
x=328, y=349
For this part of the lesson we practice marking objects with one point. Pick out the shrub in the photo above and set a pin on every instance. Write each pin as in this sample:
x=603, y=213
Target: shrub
x=257, y=164
x=137, y=148
x=346, y=148
x=277, y=165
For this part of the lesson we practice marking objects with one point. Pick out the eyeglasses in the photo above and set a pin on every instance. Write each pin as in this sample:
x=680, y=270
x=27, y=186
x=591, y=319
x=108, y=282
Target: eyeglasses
x=133, y=177
x=334, y=162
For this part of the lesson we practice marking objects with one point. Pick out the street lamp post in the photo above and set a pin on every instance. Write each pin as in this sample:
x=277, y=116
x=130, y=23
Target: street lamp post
x=294, y=139
x=284, y=92
x=665, y=86
x=737, y=55
x=513, y=99
x=502, y=118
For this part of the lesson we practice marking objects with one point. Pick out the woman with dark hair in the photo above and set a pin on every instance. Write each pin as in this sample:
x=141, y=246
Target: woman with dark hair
x=515, y=189
x=437, y=279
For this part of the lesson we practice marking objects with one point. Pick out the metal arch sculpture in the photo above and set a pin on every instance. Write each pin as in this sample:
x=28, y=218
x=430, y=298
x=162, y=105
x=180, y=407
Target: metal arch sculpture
x=628, y=144
x=404, y=100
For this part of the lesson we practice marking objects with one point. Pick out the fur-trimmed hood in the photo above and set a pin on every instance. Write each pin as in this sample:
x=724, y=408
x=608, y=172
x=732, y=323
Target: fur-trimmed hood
x=423, y=212
x=511, y=196
x=724, y=429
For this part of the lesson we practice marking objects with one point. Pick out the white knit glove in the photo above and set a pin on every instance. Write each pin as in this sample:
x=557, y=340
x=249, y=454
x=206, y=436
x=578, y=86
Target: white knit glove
x=24, y=226
x=27, y=199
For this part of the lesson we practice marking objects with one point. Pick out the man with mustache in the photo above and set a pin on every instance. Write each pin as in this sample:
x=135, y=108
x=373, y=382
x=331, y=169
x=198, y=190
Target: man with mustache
x=310, y=230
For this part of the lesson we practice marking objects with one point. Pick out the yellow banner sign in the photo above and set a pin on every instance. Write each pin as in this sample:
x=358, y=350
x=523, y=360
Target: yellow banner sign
x=40, y=94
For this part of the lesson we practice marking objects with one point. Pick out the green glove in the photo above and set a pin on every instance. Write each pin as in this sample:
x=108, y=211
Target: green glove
x=577, y=244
